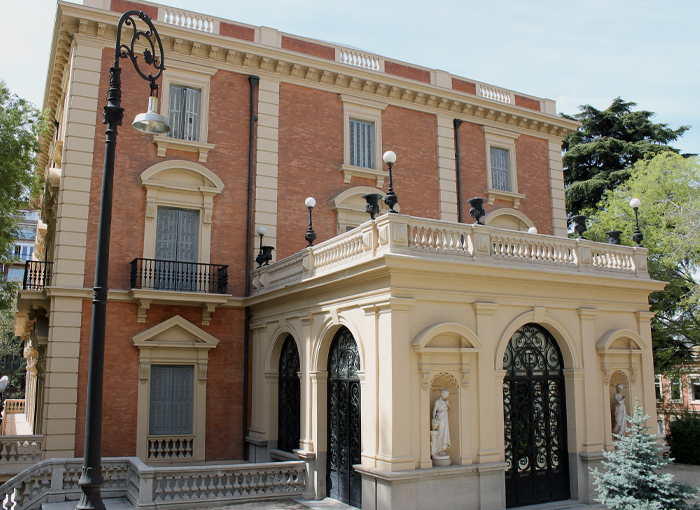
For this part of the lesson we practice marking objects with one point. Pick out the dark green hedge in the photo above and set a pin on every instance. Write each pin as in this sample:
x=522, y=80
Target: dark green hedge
x=684, y=439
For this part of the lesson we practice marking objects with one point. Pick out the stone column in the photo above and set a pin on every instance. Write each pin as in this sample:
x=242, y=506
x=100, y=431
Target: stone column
x=306, y=442
x=319, y=433
x=490, y=394
x=370, y=402
x=594, y=439
x=266, y=160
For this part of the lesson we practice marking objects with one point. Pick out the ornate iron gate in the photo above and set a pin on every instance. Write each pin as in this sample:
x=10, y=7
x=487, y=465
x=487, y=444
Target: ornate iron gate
x=344, y=483
x=534, y=408
x=289, y=397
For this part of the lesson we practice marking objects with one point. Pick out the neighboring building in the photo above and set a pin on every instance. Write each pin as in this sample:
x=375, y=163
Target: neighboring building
x=678, y=393
x=347, y=343
x=23, y=249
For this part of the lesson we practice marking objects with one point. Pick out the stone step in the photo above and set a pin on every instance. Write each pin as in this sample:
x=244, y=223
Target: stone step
x=110, y=504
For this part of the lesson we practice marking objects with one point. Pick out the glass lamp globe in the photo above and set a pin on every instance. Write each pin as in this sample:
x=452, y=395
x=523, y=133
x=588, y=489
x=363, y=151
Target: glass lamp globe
x=389, y=157
x=635, y=203
x=261, y=231
x=310, y=202
x=532, y=230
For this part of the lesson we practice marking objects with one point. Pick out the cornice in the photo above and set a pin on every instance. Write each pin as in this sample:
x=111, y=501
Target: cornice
x=220, y=52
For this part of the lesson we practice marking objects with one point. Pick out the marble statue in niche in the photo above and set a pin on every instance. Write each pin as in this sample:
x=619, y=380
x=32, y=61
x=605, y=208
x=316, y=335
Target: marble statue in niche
x=440, y=433
x=620, y=412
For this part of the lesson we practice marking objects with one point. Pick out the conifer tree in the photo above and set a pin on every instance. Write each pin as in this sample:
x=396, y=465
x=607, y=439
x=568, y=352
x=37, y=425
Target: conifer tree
x=630, y=481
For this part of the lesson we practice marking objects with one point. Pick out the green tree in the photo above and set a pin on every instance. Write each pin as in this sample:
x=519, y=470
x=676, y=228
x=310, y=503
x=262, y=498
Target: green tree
x=669, y=188
x=21, y=124
x=598, y=156
x=630, y=481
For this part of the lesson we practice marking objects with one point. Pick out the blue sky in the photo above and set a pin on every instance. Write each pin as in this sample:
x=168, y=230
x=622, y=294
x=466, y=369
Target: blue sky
x=585, y=52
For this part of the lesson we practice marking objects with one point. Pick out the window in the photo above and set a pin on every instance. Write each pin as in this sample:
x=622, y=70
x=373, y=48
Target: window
x=183, y=113
x=676, y=390
x=172, y=391
x=361, y=143
x=659, y=389
x=362, y=139
x=16, y=274
x=499, y=169
x=177, y=234
x=695, y=389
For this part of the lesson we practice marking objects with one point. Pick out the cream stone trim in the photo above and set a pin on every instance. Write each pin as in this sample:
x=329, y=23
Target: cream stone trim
x=556, y=189
x=357, y=108
x=502, y=139
x=183, y=184
x=350, y=207
x=174, y=342
x=493, y=216
x=447, y=167
x=189, y=76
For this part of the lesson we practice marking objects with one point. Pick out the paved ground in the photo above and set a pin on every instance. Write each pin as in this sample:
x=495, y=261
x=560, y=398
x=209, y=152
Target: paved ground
x=685, y=473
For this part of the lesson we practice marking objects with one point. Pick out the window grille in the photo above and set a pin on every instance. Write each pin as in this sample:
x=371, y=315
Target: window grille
x=172, y=397
x=361, y=143
x=500, y=169
x=183, y=113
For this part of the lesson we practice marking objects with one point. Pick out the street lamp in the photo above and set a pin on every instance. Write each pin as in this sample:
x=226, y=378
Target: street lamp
x=637, y=237
x=91, y=479
x=310, y=234
x=390, y=199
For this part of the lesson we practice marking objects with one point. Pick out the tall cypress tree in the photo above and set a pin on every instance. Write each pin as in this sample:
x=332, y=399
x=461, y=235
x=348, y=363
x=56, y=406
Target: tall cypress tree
x=599, y=155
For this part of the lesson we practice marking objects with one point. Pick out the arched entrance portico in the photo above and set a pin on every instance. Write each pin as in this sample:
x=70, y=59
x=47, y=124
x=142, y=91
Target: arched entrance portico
x=344, y=441
x=534, y=409
x=289, y=397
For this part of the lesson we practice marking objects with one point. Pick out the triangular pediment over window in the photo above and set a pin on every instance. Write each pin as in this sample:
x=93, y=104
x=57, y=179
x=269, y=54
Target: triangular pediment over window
x=176, y=332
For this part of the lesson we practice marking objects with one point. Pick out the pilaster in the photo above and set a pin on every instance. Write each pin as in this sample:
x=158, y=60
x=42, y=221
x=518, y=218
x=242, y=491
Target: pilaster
x=447, y=173
x=266, y=160
x=594, y=438
x=648, y=377
x=490, y=400
x=556, y=189
x=306, y=442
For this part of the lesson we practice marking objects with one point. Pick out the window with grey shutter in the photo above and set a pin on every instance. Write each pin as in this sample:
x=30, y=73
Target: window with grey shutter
x=361, y=143
x=500, y=169
x=176, y=250
x=183, y=112
x=172, y=400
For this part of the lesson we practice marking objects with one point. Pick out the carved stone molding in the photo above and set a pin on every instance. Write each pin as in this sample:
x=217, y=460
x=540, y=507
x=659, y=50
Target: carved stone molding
x=144, y=305
x=207, y=310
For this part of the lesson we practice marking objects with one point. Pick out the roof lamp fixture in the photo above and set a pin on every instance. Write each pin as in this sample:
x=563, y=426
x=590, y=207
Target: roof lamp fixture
x=637, y=237
x=532, y=230
x=310, y=236
x=265, y=255
x=391, y=199
x=151, y=122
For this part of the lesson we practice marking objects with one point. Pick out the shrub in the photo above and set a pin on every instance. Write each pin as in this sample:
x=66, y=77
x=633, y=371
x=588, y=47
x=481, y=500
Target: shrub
x=684, y=439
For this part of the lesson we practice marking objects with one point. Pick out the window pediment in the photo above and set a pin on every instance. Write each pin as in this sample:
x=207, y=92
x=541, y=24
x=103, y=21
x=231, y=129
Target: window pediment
x=176, y=332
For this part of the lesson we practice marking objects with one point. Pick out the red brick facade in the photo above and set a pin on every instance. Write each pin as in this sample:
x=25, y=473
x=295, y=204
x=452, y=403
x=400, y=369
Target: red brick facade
x=125, y=5
x=527, y=102
x=464, y=86
x=317, y=50
x=411, y=73
x=237, y=31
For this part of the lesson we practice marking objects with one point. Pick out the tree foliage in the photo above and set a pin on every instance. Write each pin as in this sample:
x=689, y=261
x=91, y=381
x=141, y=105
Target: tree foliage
x=630, y=481
x=598, y=156
x=21, y=124
x=669, y=188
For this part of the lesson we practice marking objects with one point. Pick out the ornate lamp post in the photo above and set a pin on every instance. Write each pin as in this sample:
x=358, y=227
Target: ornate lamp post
x=637, y=237
x=91, y=479
x=390, y=199
x=310, y=235
x=265, y=255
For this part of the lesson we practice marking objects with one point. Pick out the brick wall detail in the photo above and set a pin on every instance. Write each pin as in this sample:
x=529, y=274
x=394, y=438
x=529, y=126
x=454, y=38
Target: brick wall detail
x=237, y=31
x=125, y=5
x=527, y=102
x=464, y=86
x=411, y=73
x=317, y=50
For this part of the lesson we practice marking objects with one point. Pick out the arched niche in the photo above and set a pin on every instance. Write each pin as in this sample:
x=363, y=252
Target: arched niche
x=349, y=207
x=510, y=219
x=447, y=381
x=184, y=185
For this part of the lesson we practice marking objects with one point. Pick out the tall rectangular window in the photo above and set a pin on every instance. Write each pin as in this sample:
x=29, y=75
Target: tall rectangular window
x=695, y=389
x=500, y=169
x=676, y=390
x=361, y=143
x=176, y=234
x=659, y=391
x=183, y=112
x=172, y=399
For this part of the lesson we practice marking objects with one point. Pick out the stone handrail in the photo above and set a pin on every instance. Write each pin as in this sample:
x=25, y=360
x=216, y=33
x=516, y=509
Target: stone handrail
x=495, y=93
x=359, y=58
x=56, y=480
x=420, y=237
x=19, y=452
x=14, y=406
x=186, y=19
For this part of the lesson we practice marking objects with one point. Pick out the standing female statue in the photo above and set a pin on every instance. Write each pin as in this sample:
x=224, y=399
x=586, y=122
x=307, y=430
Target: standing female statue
x=620, y=412
x=441, y=439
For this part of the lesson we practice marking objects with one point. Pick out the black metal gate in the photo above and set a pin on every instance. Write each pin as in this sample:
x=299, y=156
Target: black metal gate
x=534, y=408
x=289, y=397
x=344, y=483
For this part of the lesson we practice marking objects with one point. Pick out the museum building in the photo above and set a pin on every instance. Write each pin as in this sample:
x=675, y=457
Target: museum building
x=416, y=359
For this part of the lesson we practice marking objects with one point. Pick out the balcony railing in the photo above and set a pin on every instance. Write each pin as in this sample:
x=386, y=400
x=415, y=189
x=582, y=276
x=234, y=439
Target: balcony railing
x=179, y=276
x=443, y=240
x=37, y=275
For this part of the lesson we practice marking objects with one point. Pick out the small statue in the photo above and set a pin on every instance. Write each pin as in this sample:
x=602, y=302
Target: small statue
x=620, y=412
x=440, y=435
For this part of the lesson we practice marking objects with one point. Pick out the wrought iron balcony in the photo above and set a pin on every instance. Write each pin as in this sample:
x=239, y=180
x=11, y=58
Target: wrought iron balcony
x=179, y=276
x=37, y=275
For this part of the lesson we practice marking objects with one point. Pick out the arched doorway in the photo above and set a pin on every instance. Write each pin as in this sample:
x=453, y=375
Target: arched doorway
x=289, y=397
x=534, y=409
x=343, y=482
